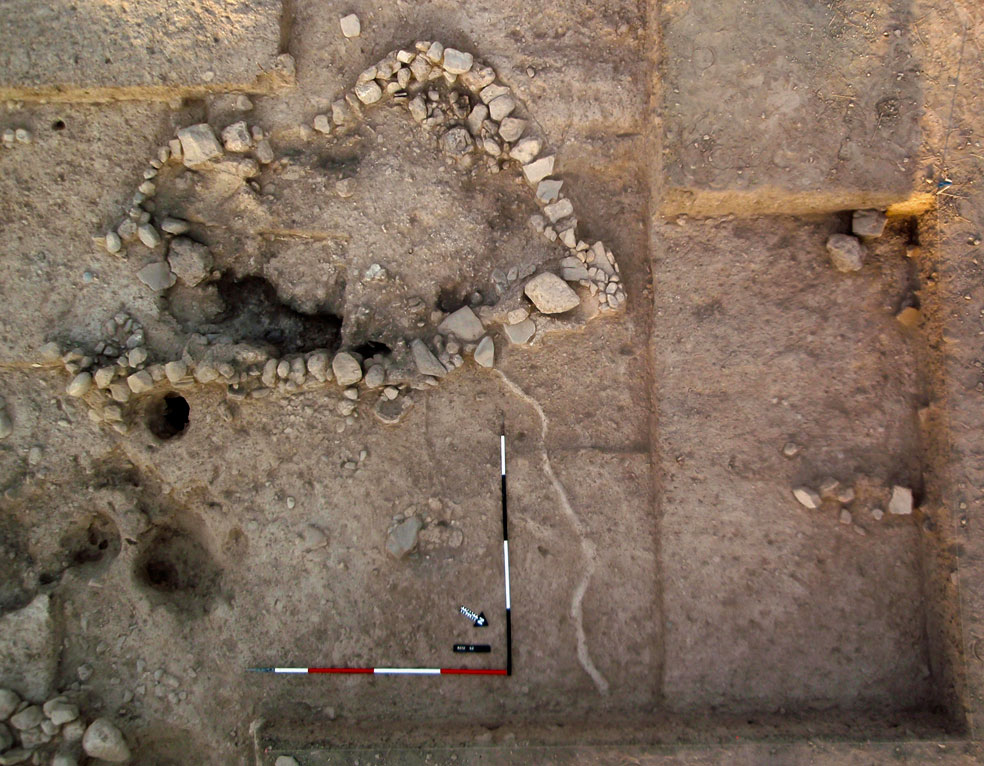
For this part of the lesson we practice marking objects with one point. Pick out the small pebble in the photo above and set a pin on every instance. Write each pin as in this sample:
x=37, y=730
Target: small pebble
x=322, y=124
x=351, y=26
x=807, y=497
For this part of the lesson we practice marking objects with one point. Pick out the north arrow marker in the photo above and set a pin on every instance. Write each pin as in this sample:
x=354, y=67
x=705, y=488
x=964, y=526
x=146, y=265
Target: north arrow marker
x=479, y=619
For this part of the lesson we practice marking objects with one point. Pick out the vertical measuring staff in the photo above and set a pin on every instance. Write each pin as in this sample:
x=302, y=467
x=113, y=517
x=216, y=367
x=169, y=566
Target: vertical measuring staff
x=505, y=552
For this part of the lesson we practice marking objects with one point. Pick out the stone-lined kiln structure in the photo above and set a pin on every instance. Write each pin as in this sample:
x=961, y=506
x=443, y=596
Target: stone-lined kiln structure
x=477, y=121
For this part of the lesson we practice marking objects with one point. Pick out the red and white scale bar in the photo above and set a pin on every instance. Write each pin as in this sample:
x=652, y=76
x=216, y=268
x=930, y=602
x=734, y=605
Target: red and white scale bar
x=395, y=671
x=506, y=671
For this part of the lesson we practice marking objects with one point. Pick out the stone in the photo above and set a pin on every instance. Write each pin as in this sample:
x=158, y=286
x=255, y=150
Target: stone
x=368, y=92
x=322, y=123
x=457, y=62
x=572, y=270
x=457, y=142
x=318, y=366
x=140, y=382
x=807, y=497
x=175, y=371
x=17, y=755
x=120, y=391
x=402, y=539
x=27, y=718
x=157, y=276
x=845, y=496
x=510, y=129
x=548, y=190
x=9, y=700
x=199, y=144
x=538, y=170
x=562, y=208
x=485, y=352
x=877, y=514
x=103, y=740
x=909, y=317
x=6, y=423
x=112, y=242
x=237, y=138
x=476, y=117
x=517, y=315
x=551, y=294
x=240, y=167
x=285, y=760
x=435, y=53
x=79, y=385
x=901, y=502
x=418, y=108
x=828, y=488
x=478, y=78
x=845, y=516
x=346, y=369
x=351, y=26
x=463, y=324
x=521, y=332
x=868, y=223
x=64, y=759
x=136, y=356
x=345, y=187
x=391, y=410
x=60, y=711
x=501, y=107
x=375, y=376
x=174, y=226
x=791, y=449
x=264, y=152
x=525, y=151
x=846, y=252
x=148, y=235
x=190, y=261
x=427, y=363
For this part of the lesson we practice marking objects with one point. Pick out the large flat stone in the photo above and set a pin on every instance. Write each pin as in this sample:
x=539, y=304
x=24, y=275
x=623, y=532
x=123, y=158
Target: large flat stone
x=29, y=650
x=787, y=107
x=152, y=49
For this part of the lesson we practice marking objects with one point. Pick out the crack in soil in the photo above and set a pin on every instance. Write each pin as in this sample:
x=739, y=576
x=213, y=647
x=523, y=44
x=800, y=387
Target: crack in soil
x=577, y=609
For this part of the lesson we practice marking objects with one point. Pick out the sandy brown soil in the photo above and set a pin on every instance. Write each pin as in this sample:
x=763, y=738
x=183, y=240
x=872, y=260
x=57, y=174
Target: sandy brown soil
x=672, y=602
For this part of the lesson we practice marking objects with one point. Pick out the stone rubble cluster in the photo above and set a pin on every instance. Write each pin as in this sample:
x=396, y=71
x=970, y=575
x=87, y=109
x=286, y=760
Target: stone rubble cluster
x=847, y=251
x=451, y=95
x=13, y=136
x=55, y=733
x=842, y=498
